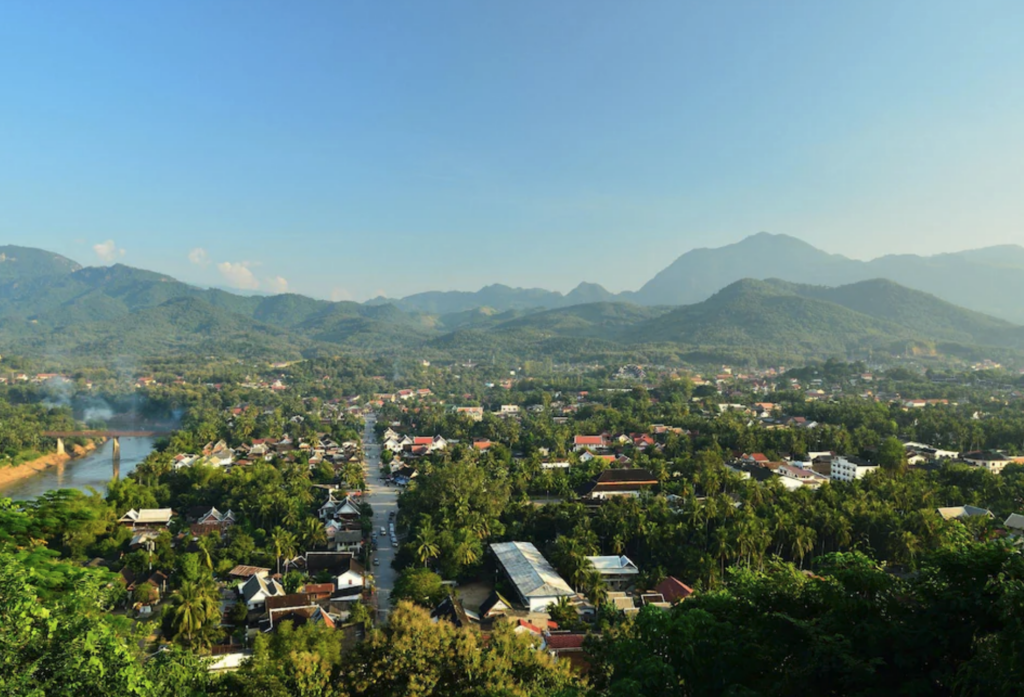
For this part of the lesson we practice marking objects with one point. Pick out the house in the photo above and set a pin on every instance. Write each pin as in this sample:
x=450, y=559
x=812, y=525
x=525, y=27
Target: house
x=800, y=475
x=494, y=606
x=318, y=591
x=482, y=444
x=146, y=518
x=535, y=581
x=623, y=602
x=245, y=572
x=588, y=442
x=342, y=567
x=1014, y=524
x=554, y=465
x=215, y=516
x=258, y=588
x=297, y=608
x=848, y=469
x=673, y=590
x=339, y=509
x=618, y=572
x=473, y=413
x=566, y=646
x=508, y=410
x=451, y=609
x=963, y=512
x=993, y=462
x=618, y=482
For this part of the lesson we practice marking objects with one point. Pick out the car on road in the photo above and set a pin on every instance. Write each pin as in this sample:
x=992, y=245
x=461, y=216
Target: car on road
x=383, y=531
x=376, y=561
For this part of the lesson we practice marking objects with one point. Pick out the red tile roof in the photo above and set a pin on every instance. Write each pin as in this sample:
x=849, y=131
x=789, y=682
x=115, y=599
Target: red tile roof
x=565, y=641
x=589, y=440
x=673, y=589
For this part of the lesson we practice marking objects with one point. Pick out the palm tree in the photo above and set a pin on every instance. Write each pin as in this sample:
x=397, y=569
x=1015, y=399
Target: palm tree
x=426, y=542
x=207, y=544
x=284, y=544
x=196, y=605
x=313, y=532
x=802, y=542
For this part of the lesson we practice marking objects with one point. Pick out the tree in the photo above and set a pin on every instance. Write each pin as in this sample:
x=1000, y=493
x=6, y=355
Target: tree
x=196, y=611
x=283, y=543
x=207, y=544
x=426, y=542
x=68, y=646
x=892, y=456
x=420, y=586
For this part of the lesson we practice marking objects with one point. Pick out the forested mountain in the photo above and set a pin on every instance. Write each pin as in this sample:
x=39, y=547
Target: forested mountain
x=989, y=280
x=497, y=296
x=26, y=262
x=119, y=309
x=986, y=280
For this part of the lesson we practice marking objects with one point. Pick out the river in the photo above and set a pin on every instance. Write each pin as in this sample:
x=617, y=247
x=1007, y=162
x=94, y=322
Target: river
x=95, y=470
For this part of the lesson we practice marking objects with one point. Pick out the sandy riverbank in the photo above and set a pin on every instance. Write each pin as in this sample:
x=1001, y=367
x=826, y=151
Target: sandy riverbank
x=9, y=475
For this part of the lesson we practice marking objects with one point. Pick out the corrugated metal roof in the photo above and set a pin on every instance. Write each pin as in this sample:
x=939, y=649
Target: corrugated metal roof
x=532, y=574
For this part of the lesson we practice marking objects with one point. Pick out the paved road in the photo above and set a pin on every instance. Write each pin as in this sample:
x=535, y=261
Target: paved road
x=383, y=499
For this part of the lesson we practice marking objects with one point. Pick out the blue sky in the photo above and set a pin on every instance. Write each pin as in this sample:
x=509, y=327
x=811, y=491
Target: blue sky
x=347, y=148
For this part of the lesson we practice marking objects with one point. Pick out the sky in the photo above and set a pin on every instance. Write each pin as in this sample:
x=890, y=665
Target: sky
x=347, y=149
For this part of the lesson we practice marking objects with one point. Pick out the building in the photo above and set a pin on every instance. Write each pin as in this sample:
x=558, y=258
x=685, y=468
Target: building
x=673, y=590
x=589, y=442
x=993, y=462
x=963, y=512
x=146, y=518
x=1015, y=524
x=258, y=588
x=618, y=572
x=848, y=469
x=618, y=482
x=536, y=582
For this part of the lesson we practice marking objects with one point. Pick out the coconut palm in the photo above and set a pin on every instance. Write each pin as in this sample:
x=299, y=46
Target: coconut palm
x=426, y=542
x=196, y=606
x=207, y=544
x=283, y=543
x=313, y=532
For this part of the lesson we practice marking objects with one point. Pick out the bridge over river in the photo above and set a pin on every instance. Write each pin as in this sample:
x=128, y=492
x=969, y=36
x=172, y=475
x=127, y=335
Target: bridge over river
x=113, y=435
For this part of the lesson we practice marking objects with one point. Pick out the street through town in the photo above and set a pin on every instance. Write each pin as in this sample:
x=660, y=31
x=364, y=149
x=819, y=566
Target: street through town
x=384, y=500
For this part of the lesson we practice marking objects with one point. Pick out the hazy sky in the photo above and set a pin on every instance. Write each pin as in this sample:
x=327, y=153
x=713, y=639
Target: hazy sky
x=348, y=148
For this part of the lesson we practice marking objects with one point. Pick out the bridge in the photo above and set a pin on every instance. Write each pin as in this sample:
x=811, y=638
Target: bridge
x=113, y=435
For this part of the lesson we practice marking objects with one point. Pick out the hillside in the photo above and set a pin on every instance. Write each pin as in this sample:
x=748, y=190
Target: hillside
x=123, y=311
x=19, y=263
x=752, y=313
x=603, y=320
x=913, y=310
x=985, y=280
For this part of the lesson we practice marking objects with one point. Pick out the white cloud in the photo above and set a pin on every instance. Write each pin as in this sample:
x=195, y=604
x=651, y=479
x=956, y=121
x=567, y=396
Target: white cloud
x=277, y=284
x=338, y=294
x=107, y=251
x=199, y=257
x=238, y=274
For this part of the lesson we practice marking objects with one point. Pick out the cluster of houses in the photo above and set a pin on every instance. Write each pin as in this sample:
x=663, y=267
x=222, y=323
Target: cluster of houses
x=535, y=585
x=339, y=578
x=322, y=449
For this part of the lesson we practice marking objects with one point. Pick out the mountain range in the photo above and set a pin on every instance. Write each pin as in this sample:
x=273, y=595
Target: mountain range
x=51, y=306
x=989, y=280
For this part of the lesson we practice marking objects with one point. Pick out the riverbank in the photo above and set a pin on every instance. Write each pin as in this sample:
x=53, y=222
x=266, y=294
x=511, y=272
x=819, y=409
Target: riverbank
x=9, y=475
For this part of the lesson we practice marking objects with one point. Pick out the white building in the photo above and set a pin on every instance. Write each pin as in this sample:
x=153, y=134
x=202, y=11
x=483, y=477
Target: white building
x=554, y=465
x=618, y=572
x=536, y=582
x=993, y=462
x=848, y=469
